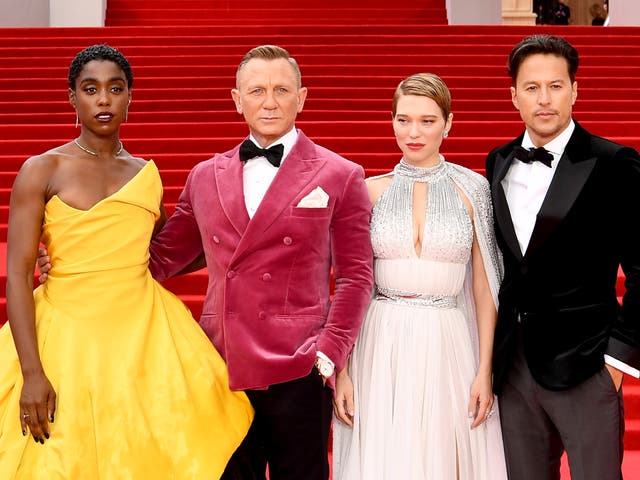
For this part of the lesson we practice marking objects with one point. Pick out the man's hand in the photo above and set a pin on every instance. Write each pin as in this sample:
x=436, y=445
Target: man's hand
x=616, y=376
x=43, y=265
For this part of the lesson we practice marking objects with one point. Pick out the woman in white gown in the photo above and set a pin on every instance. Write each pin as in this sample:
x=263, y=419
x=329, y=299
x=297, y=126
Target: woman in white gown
x=416, y=401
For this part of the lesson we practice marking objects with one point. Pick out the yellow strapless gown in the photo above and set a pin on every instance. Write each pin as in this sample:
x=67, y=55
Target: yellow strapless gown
x=141, y=392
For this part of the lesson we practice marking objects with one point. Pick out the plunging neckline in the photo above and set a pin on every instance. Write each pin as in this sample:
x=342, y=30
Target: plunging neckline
x=428, y=175
x=448, y=227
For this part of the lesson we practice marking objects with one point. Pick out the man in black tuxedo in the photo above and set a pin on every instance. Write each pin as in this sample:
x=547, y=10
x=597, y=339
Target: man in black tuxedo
x=561, y=13
x=566, y=218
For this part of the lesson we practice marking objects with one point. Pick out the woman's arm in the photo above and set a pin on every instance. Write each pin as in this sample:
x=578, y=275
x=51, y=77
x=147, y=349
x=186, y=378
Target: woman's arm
x=343, y=405
x=162, y=219
x=26, y=212
x=200, y=261
x=481, y=400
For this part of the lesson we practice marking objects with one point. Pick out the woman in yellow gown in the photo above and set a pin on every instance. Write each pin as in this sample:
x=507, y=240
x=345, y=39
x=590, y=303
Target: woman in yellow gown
x=105, y=374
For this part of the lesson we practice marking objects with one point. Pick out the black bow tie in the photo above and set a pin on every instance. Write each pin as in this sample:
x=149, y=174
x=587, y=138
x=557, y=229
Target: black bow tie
x=249, y=150
x=539, y=154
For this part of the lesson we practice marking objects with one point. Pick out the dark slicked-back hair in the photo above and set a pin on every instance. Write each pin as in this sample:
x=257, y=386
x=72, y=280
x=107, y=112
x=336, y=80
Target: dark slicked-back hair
x=100, y=53
x=544, y=44
x=269, y=52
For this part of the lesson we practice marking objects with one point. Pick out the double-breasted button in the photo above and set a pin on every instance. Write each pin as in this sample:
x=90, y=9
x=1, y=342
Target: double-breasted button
x=231, y=274
x=287, y=240
x=524, y=269
x=266, y=277
x=216, y=239
x=262, y=315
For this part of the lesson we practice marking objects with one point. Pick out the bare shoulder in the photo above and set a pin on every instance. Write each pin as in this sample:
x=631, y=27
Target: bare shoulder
x=47, y=160
x=140, y=163
x=38, y=170
x=377, y=185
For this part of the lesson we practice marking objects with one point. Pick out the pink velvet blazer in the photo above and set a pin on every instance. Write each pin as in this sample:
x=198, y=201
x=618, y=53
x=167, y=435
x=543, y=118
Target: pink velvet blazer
x=268, y=307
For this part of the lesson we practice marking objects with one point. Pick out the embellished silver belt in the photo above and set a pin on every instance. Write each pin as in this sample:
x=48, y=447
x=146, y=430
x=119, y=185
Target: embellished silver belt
x=415, y=299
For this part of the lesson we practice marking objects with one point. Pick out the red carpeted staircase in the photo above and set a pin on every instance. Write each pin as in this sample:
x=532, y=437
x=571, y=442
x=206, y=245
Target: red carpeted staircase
x=184, y=56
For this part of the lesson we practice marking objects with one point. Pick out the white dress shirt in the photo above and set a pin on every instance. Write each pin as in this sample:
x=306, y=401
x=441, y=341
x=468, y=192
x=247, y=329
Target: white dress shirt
x=526, y=184
x=525, y=187
x=257, y=175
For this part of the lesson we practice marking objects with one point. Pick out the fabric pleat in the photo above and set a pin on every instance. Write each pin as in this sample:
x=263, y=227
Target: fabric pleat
x=141, y=392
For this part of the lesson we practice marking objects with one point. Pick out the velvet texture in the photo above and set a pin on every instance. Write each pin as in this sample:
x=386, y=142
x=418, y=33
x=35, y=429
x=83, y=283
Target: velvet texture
x=563, y=288
x=268, y=307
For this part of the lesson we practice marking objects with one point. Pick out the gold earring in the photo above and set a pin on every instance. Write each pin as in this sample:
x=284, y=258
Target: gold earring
x=76, y=119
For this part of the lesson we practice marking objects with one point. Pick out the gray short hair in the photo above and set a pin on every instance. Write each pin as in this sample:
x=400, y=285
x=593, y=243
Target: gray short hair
x=269, y=52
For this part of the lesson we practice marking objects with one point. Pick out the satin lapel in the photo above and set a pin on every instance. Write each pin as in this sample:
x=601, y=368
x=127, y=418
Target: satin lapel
x=298, y=169
x=228, y=174
x=503, y=215
x=574, y=168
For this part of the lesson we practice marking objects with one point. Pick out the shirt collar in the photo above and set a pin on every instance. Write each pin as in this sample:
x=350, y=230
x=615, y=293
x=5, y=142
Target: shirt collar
x=288, y=140
x=555, y=146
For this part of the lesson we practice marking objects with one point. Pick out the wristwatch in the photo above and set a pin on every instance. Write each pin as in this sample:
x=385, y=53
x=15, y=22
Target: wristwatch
x=324, y=366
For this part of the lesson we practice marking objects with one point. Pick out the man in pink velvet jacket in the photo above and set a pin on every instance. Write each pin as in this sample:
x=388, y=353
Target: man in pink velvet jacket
x=270, y=235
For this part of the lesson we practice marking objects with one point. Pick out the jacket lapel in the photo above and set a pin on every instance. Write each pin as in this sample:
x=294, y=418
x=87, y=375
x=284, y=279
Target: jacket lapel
x=503, y=215
x=574, y=168
x=231, y=192
x=298, y=169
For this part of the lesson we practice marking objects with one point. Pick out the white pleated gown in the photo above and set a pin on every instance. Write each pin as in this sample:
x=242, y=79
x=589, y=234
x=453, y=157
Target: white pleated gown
x=414, y=361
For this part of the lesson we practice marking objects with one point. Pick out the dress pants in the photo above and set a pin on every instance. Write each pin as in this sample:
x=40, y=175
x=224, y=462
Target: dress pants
x=289, y=433
x=539, y=424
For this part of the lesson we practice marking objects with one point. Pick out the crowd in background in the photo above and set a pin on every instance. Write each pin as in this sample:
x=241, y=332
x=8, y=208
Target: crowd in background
x=558, y=12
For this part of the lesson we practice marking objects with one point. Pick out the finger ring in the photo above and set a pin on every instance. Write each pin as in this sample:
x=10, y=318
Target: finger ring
x=490, y=413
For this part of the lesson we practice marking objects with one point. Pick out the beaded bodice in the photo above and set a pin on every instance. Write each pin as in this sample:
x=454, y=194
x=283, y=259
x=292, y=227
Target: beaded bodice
x=448, y=231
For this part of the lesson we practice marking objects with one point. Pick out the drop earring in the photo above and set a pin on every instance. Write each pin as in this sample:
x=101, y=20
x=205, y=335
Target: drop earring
x=76, y=119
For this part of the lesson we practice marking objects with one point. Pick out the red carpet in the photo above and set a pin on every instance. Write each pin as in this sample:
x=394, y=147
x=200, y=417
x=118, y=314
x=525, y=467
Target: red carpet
x=184, y=57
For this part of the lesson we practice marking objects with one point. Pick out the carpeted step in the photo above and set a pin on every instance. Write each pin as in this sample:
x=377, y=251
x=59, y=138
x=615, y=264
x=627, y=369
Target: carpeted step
x=318, y=92
x=378, y=103
x=308, y=116
x=33, y=83
x=123, y=5
x=348, y=146
x=238, y=128
x=384, y=57
x=417, y=46
x=194, y=13
x=179, y=15
x=408, y=67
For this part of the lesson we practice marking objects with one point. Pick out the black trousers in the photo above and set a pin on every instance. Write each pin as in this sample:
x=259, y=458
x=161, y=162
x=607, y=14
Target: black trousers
x=289, y=433
x=538, y=425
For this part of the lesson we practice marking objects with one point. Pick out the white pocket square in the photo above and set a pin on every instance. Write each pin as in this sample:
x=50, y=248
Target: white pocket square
x=318, y=198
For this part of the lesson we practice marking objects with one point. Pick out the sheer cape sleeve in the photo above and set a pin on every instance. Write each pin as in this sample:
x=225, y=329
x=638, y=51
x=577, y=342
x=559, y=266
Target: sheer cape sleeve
x=476, y=188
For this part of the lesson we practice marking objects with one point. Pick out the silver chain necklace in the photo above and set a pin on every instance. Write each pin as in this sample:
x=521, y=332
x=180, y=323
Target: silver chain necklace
x=95, y=154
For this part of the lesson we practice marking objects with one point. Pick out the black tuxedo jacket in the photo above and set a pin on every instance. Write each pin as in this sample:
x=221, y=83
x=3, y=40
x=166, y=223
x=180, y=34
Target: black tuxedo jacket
x=560, y=296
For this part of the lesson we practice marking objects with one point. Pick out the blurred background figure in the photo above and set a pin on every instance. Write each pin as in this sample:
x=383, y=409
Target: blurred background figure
x=543, y=12
x=561, y=13
x=598, y=13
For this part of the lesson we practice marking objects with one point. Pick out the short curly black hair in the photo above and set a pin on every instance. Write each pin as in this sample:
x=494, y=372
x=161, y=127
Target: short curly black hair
x=99, y=52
